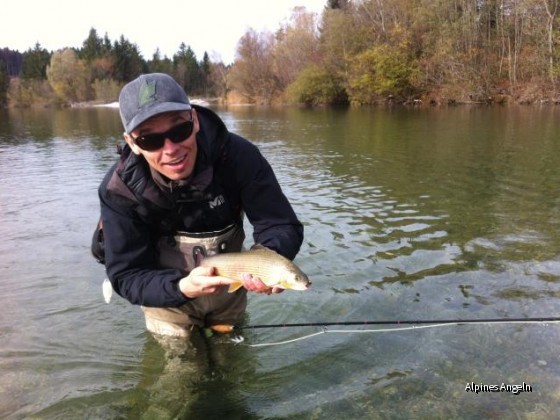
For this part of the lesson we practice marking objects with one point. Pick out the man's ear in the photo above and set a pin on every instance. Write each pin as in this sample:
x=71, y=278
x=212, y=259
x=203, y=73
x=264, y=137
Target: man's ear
x=128, y=138
x=195, y=120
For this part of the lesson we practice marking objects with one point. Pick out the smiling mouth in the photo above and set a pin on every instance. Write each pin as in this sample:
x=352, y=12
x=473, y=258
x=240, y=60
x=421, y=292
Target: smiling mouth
x=177, y=161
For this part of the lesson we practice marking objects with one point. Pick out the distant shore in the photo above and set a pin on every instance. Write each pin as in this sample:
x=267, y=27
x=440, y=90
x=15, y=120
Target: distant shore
x=94, y=104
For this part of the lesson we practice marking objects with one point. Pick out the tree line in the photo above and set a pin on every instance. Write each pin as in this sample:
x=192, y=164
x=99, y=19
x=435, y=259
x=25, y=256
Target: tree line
x=356, y=51
x=94, y=72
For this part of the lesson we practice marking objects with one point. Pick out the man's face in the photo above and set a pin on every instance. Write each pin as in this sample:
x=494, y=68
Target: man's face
x=174, y=160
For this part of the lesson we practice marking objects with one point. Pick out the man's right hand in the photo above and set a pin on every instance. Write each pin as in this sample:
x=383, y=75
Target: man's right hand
x=202, y=281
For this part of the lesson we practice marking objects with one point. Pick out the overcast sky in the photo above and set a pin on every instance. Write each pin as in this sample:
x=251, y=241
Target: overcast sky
x=214, y=26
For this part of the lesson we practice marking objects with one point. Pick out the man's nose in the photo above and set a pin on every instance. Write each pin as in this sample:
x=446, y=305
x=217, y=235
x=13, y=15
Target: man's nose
x=168, y=145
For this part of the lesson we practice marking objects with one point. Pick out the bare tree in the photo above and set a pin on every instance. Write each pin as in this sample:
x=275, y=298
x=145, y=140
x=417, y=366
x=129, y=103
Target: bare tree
x=252, y=73
x=297, y=46
x=551, y=7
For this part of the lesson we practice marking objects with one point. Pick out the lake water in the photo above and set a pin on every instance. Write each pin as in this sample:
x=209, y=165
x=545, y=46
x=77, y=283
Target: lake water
x=410, y=214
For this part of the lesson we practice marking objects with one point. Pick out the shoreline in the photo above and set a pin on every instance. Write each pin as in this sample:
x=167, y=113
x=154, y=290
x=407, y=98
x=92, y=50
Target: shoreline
x=115, y=104
x=389, y=102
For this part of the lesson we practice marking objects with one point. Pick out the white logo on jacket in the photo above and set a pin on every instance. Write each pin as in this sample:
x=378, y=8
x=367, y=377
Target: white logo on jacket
x=218, y=201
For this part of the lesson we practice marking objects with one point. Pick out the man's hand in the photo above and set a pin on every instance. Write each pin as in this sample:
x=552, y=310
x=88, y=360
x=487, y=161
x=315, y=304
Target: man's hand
x=202, y=281
x=255, y=284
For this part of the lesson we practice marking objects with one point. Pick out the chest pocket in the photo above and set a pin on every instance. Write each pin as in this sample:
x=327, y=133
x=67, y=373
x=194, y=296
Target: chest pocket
x=185, y=250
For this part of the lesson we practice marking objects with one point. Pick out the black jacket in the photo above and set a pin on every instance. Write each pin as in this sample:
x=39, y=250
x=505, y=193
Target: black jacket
x=138, y=207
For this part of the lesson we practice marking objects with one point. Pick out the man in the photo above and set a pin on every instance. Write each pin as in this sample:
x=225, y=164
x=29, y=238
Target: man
x=177, y=194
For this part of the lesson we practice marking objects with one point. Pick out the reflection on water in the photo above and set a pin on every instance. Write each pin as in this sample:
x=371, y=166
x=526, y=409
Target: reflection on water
x=409, y=214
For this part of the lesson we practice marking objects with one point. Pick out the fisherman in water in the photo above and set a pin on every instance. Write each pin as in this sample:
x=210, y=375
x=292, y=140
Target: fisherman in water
x=177, y=194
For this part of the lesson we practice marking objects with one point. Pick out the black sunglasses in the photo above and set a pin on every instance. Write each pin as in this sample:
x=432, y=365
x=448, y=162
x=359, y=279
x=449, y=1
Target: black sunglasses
x=155, y=141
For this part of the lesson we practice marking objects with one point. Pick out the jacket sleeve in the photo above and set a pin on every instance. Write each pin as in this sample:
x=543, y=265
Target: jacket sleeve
x=130, y=256
x=275, y=224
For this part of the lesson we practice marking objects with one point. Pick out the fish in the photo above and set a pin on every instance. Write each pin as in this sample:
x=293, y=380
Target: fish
x=272, y=268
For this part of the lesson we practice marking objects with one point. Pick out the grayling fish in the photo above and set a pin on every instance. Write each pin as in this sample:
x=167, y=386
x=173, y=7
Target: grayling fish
x=272, y=268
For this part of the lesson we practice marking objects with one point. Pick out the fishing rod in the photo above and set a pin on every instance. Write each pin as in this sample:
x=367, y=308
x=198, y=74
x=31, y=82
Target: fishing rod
x=403, y=325
x=400, y=322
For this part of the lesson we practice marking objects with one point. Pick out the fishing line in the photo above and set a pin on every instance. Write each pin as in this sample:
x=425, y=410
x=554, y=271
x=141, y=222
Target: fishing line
x=402, y=322
x=425, y=324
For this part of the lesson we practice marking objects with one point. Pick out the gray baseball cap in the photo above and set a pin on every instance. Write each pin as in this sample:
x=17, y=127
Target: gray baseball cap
x=149, y=95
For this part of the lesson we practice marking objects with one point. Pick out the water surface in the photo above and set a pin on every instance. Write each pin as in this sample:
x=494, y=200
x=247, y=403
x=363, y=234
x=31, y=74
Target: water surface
x=409, y=214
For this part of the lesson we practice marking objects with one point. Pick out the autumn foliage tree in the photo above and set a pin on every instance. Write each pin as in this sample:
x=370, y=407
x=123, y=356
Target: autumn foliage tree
x=253, y=71
x=315, y=85
x=68, y=77
x=296, y=46
x=380, y=72
x=219, y=79
x=439, y=50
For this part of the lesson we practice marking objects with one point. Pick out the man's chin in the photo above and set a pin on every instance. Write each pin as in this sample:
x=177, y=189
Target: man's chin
x=177, y=176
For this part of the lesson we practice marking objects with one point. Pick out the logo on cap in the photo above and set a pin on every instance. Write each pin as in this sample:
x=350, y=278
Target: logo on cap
x=147, y=93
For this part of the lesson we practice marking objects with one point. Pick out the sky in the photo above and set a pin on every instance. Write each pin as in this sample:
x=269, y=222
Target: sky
x=214, y=26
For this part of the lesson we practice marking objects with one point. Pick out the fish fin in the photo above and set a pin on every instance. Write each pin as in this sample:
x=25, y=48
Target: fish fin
x=263, y=250
x=294, y=286
x=234, y=286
